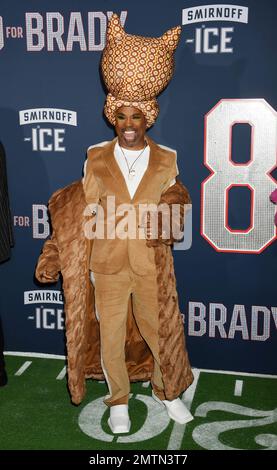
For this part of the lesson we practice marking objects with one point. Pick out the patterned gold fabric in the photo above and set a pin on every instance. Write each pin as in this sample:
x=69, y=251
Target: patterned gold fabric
x=136, y=69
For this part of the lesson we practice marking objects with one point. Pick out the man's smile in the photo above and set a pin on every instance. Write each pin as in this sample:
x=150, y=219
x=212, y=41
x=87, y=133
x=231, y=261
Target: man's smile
x=129, y=135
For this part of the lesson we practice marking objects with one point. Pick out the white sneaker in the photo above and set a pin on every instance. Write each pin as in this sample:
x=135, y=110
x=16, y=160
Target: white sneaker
x=119, y=421
x=176, y=409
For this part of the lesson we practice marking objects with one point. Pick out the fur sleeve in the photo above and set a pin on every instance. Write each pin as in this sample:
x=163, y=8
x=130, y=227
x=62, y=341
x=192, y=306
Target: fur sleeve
x=48, y=266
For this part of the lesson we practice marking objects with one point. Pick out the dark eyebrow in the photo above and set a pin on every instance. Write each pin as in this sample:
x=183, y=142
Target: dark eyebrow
x=124, y=115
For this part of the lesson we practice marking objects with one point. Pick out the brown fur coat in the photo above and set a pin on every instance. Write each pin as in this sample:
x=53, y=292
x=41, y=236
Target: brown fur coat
x=67, y=252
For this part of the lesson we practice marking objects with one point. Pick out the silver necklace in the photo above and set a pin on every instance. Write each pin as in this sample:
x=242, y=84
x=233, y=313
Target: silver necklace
x=131, y=170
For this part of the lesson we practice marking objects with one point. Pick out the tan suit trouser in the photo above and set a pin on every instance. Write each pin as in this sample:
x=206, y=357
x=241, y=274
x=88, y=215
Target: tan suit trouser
x=112, y=292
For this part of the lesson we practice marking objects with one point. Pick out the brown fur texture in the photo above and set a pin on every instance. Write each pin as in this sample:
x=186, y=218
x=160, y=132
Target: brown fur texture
x=67, y=252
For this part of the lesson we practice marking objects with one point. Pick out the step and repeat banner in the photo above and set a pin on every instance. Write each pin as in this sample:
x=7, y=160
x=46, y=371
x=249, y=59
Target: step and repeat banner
x=218, y=112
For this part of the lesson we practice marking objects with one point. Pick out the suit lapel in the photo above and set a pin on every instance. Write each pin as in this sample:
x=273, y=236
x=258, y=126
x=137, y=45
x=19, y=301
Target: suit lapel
x=153, y=165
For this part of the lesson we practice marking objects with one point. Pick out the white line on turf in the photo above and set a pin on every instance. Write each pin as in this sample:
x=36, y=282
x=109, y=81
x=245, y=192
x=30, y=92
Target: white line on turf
x=238, y=388
x=232, y=372
x=23, y=368
x=146, y=384
x=33, y=354
x=208, y=371
x=61, y=375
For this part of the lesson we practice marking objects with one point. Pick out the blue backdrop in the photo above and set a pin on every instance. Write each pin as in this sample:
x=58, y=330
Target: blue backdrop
x=218, y=112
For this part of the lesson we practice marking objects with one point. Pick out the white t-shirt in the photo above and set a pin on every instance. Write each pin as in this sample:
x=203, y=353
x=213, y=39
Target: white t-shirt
x=140, y=166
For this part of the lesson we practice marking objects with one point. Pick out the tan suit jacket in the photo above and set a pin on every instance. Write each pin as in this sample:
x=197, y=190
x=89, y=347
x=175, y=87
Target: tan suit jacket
x=105, y=187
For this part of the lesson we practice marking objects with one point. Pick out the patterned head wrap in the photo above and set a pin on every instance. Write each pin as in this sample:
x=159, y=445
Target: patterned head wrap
x=136, y=69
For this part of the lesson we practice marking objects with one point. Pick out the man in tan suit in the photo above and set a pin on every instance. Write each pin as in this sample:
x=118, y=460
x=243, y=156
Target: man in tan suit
x=125, y=176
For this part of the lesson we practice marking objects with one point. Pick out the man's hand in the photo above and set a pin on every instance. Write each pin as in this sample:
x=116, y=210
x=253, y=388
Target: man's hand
x=166, y=225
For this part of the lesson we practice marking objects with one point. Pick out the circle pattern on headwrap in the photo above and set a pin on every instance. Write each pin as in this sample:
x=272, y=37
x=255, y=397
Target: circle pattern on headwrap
x=136, y=69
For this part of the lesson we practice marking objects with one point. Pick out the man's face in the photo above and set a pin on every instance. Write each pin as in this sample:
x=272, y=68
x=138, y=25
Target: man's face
x=130, y=126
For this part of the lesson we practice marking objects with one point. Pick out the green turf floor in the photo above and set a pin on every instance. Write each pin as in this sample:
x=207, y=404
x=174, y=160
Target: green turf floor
x=36, y=413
